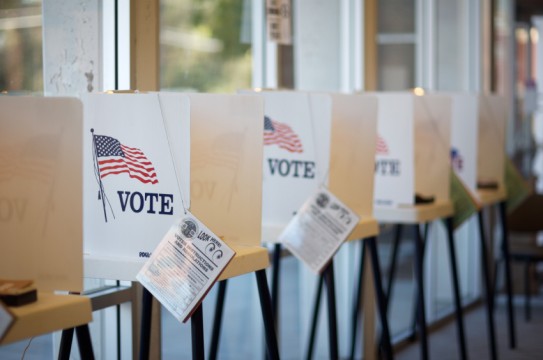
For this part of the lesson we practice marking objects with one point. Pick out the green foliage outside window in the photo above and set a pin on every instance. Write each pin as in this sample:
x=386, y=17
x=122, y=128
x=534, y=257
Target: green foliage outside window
x=204, y=45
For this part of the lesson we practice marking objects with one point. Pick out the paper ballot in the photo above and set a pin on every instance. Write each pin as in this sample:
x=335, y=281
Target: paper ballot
x=184, y=266
x=318, y=229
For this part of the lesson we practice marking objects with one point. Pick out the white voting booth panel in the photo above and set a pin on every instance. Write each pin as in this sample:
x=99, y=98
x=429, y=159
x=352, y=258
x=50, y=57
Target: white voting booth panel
x=41, y=227
x=226, y=165
x=297, y=129
x=352, y=153
x=464, y=138
x=136, y=177
x=412, y=152
x=491, y=150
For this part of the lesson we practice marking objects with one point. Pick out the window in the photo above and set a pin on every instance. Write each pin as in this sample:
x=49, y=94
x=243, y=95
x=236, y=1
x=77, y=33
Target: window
x=205, y=45
x=21, y=46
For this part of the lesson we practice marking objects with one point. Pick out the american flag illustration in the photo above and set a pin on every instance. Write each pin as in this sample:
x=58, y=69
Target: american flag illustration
x=381, y=147
x=457, y=160
x=115, y=158
x=282, y=135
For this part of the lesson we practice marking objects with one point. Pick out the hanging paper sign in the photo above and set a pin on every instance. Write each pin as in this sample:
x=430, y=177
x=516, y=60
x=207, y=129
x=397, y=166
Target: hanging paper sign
x=184, y=266
x=278, y=16
x=318, y=229
x=136, y=177
x=297, y=130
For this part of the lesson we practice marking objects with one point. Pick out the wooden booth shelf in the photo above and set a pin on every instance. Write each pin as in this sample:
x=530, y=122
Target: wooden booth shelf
x=48, y=314
x=490, y=197
x=248, y=259
x=412, y=214
x=367, y=227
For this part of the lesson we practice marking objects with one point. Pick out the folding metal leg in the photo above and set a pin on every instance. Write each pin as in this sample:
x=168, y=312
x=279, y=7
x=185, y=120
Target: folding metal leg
x=456, y=289
x=327, y=276
x=508, y=283
x=488, y=290
x=217, y=320
x=66, y=344
x=276, y=267
x=416, y=301
x=332, y=312
x=267, y=314
x=392, y=265
x=84, y=342
x=197, y=333
x=145, y=334
x=421, y=313
x=381, y=300
x=357, y=299
x=315, y=317
x=527, y=310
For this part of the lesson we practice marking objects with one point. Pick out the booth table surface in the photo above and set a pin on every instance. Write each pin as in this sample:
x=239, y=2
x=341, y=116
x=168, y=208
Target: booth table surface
x=414, y=214
x=490, y=197
x=367, y=227
x=247, y=259
x=48, y=314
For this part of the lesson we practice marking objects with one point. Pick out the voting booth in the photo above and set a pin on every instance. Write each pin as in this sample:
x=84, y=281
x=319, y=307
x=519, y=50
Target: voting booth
x=41, y=201
x=412, y=181
x=41, y=222
x=297, y=129
x=136, y=156
x=478, y=158
x=478, y=141
x=412, y=151
x=226, y=174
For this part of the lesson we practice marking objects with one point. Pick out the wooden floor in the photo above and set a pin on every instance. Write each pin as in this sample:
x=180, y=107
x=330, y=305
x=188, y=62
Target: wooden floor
x=443, y=344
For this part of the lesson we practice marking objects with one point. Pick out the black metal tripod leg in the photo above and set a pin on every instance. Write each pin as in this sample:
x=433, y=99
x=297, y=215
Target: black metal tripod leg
x=456, y=289
x=421, y=313
x=145, y=334
x=315, y=317
x=66, y=344
x=527, y=291
x=217, y=320
x=380, y=297
x=332, y=312
x=488, y=290
x=392, y=265
x=357, y=298
x=197, y=333
x=267, y=314
x=276, y=271
x=84, y=342
x=416, y=301
x=508, y=281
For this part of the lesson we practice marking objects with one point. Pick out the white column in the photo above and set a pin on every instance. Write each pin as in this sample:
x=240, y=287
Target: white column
x=72, y=62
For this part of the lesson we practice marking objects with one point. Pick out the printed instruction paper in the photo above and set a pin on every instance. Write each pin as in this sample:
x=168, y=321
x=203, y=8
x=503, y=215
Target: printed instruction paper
x=318, y=229
x=184, y=266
